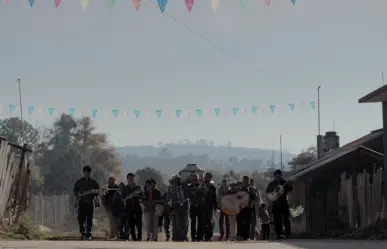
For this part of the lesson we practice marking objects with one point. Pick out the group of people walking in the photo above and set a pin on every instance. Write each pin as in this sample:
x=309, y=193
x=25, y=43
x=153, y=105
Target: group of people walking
x=193, y=202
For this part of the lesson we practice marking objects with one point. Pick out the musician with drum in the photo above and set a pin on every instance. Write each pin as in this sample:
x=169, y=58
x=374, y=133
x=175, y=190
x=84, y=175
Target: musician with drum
x=153, y=209
x=277, y=192
x=86, y=189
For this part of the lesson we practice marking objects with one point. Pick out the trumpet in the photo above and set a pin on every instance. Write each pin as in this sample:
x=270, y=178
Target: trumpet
x=131, y=195
x=88, y=192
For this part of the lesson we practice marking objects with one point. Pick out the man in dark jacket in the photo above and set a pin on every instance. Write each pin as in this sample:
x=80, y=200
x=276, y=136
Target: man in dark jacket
x=86, y=190
x=280, y=207
x=210, y=206
x=167, y=214
x=108, y=198
x=119, y=214
x=246, y=214
x=196, y=194
x=133, y=207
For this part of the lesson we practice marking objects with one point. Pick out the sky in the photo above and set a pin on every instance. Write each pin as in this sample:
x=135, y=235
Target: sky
x=257, y=56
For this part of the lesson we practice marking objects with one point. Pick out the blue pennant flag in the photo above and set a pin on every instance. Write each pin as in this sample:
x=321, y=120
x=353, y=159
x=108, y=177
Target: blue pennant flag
x=115, y=113
x=199, y=112
x=312, y=104
x=51, y=111
x=137, y=113
x=235, y=110
x=217, y=111
x=94, y=112
x=293, y=2
x=162, y=5
x=31, y=2
x=272, y=108
x=12, y=108
x=71, y=111
x=31, y=109
x=254, y=109
x=292, y=106
x=178, y=113
x=159, y=112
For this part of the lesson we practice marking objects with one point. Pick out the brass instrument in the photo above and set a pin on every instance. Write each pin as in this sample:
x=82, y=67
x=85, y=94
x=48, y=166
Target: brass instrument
x=277, y=193
x=131, y=195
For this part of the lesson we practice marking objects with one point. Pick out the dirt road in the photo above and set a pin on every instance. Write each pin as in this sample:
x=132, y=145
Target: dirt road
x=208, y=245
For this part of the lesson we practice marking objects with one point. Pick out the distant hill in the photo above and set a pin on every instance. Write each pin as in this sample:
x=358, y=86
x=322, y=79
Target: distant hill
x=206, y=154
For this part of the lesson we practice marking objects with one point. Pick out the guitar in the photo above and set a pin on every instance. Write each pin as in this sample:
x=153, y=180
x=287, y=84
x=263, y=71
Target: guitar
x=232, y=203
x=277, y=193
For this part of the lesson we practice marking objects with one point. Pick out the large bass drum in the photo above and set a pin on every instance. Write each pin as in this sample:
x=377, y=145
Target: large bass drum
x=232, y=204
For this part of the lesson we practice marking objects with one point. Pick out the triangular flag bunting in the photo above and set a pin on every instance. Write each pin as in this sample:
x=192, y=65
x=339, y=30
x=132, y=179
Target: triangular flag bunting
x=137, y=113
x=199, y=112
x=31, y=2
x=162, y=5
x=84, y=4
x=217, y=111
x=31, y=109
x=178, y=113
x=268, y=2
x=51, y=111
x=57, y=3
x=111, y=3
x=12, y=108
x=215, y=5
x=242, y=4
x=189, y=4
x=115, y=113
x=293, y=2
x=291, y=106
x=254, y=109
x=71, y=111
x=159, y=112
x=272, y=108
x=313, y=104
x=235, y=110
x=94, y=112
x=5, y=1
x=137, y=4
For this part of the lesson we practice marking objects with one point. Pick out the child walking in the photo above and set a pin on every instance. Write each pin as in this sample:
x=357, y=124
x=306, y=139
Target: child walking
x=265, y=221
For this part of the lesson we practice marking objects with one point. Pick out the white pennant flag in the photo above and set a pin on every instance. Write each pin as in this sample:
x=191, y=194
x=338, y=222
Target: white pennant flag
x=215, y=4
x=84, y=4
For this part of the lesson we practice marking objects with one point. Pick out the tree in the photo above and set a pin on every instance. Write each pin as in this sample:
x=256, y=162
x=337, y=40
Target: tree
x=144, y=174
x=306, y=156
x=11, y=128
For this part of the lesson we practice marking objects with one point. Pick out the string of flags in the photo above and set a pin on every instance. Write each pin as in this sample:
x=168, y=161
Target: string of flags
x=159, y=113
x=162, y=4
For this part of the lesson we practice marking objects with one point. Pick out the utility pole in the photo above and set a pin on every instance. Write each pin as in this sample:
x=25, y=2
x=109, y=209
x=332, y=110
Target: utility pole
x=318, y=109
x=282, y=165
x=21, y=110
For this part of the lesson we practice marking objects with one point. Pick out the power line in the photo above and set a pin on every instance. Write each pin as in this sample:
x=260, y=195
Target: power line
x=232, y=55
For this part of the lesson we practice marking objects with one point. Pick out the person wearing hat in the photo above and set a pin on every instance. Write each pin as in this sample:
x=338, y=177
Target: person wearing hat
x=152, y=197
x=280, y=207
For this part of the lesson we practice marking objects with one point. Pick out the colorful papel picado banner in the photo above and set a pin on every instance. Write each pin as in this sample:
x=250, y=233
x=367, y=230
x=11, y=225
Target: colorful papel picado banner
x=177, y=113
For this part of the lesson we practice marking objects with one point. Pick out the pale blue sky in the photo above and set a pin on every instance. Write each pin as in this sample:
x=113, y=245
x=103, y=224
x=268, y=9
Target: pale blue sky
x=121, y=59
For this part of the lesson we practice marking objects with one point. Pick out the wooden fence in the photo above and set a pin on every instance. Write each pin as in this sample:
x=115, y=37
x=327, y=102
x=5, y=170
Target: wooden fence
x=14, y=180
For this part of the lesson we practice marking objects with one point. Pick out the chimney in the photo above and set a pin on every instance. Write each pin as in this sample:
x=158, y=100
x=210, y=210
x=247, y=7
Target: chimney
x=319, y=146
x=331, y=141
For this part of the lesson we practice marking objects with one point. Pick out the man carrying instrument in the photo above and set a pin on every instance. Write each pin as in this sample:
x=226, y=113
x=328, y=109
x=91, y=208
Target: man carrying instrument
x=180, y=207
x=86, y=189
x=167, y=212
x=197, y=192
x=280, y=206
x=210, y=206
x=121, y=218
x=245, y=215
x=223, y=218
x=112, y=188
x=256, y=200
x=232, y=218
x=133, y=207
x=152, y=197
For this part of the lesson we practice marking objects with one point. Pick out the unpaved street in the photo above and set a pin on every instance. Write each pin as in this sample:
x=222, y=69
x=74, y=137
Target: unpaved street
x=172, y=245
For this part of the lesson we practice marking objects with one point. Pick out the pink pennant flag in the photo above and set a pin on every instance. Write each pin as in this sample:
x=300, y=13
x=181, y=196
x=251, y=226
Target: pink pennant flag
x=137, y=4
x=57, y=3
x=189, y=4
x=5, y=1
x=268, y=2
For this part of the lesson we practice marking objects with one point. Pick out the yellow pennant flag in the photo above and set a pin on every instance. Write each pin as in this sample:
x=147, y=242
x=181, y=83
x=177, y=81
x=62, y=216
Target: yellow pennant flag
x=84, y=4
x=215, y=4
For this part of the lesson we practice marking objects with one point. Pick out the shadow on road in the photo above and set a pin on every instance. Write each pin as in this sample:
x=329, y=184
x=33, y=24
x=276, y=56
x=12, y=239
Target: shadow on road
x=333, y=244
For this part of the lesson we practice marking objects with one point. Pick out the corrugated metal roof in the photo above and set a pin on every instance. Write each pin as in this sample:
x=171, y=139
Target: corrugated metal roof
x=328, y=159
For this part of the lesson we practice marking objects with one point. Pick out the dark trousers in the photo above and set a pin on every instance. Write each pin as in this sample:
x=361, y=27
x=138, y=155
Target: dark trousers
x=208, y=224
x=122, y=226
x=244, y=222
x=265, y=231
x=135, y=222
x=180, y=224
x=85, y=217
x=196, y=214
x=167, y=225
x=281, y=218
x=223, y=220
